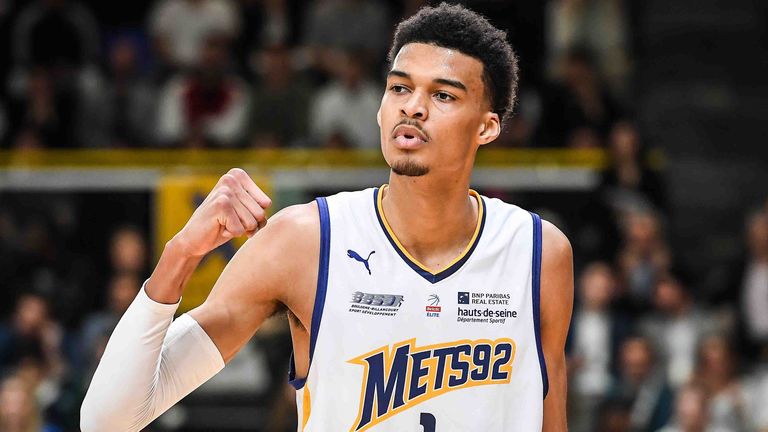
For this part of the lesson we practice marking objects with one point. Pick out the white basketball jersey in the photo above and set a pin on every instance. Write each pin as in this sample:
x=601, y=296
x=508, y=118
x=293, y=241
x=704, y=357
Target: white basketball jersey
x=397, y=347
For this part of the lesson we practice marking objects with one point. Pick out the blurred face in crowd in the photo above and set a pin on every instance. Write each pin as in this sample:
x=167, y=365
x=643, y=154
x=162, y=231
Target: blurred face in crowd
x=128, y=250
x=597, y=286
x=642, y=231
x=669, y=296
x=31, y=314
x=715, y=357
x=636, y=360
x=123, y=289
x=123, y=56
x=435, y=112
x=757, y=235
x=16, y=405
x=275, y=65
x=213, y=56
x=625, y=142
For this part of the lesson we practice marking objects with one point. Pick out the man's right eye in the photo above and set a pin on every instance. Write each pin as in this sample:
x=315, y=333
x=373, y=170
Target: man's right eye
x=398, y=88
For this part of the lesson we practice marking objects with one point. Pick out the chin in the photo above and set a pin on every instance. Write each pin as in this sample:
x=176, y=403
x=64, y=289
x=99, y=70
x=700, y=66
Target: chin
x=409, y=167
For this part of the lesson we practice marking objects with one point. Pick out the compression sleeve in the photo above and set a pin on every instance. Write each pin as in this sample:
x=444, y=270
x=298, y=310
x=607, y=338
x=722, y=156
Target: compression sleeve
x=150, y=363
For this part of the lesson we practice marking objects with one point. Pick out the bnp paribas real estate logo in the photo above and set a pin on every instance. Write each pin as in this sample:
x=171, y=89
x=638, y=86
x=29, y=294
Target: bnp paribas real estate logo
x=433, y=307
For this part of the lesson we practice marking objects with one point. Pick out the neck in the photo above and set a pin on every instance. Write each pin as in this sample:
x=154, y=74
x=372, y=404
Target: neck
x=434, y=220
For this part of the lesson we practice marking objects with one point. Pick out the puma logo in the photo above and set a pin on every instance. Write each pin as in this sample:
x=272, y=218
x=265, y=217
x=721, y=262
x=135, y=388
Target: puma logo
x=355, y=256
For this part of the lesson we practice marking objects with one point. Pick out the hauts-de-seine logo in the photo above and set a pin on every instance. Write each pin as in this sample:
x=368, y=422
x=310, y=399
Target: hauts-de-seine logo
x=376, y=304
x=433, y=306
x=400, y=376
x=483, y=307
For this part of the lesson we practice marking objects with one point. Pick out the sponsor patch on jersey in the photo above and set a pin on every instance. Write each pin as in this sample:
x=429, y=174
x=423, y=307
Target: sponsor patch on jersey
x=402, y=375
x=376, y=304
x=433, y=307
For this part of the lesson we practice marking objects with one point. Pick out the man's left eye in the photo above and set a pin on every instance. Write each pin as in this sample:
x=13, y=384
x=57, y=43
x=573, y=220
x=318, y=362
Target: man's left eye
x=444, y=96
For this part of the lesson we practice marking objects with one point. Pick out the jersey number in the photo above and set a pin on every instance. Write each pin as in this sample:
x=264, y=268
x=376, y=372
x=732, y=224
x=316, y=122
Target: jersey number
x=427, y=421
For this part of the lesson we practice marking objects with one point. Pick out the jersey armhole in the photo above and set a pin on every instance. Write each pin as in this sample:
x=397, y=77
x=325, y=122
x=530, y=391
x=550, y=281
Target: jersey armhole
x=536, y=297
x=322, y=287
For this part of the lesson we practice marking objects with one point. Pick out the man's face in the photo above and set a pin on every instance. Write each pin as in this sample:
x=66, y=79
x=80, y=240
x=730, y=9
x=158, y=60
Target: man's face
x=435, y=111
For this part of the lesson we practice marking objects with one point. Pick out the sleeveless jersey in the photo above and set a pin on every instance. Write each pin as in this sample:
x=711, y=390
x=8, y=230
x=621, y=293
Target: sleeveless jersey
x=395, y=346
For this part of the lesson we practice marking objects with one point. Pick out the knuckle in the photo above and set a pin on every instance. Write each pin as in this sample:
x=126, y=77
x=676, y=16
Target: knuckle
x=222, y=201
x=225, y=191
x=228, y=179
x=236, y=172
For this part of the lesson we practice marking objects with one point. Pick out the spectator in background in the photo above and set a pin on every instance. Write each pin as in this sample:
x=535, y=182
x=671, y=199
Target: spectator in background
x=643, y=257
x=716, y=372
x=31, y=332
x=344, y=111
x=599, y=25
x=676, y=325
x=754, y=284
x=629, y=182
x=596, y=334
x=31, y=347
x=643, y=386
x=123, y=288
x=739, y=289
x=182, y=28
x=614, y=416
x=55, y=44
x=206, y=107
x=578, y=110
x=267, y=23
x=280, y=104
x=128, y=251
x=18, y=410
x=39, y=118
x=691, y=413
x=362, y=26
x=119, y=111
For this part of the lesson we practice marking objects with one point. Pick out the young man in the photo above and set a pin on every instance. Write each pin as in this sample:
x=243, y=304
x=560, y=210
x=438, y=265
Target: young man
x=419, y=305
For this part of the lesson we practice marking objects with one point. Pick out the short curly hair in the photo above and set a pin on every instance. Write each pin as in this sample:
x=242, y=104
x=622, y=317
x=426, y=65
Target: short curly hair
x=456, y=27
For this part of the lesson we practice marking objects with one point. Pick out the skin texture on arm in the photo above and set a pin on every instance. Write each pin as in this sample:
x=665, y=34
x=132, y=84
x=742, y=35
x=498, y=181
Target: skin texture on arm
x=556, y=309
x=276, y=266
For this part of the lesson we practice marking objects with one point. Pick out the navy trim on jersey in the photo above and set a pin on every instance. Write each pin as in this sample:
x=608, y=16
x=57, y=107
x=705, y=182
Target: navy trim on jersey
x=536, y=288
x=431, y=277
x=322, y=287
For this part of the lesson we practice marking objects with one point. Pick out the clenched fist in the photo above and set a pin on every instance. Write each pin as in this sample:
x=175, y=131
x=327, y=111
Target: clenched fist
x=234, y=207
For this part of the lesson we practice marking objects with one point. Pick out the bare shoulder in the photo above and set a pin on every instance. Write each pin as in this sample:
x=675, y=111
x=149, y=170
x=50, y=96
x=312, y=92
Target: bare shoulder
x=556, y=273
x=555, y=245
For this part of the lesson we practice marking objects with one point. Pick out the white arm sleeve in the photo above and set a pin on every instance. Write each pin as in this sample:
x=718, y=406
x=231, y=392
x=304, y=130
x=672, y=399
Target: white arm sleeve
x=149, y=364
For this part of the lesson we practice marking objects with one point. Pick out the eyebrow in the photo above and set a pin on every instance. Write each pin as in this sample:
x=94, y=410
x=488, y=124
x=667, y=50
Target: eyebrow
x=444, y=81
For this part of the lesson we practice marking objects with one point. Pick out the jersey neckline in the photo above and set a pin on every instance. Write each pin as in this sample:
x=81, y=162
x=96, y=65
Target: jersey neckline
x=417, y=266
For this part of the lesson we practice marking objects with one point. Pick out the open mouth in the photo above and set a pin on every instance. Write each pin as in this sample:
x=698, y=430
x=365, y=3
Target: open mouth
x=408, y=136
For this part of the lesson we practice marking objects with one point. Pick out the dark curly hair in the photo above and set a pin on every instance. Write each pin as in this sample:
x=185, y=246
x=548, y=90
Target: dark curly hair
x=456, y=27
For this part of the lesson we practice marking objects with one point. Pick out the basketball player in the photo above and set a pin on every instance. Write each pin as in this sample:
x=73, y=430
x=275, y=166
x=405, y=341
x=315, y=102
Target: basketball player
x=416, y=306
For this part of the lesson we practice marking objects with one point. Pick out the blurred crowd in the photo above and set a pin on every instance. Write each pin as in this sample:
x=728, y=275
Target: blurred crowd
x=652, y=347
x=279, y=73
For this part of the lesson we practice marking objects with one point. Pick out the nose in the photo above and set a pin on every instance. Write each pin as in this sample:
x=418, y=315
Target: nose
x=415, y=107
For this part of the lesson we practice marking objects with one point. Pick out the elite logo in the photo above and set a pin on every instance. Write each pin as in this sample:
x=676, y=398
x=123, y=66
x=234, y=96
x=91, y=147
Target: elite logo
x=356, y=256
x=400, y=376
x=433, y=307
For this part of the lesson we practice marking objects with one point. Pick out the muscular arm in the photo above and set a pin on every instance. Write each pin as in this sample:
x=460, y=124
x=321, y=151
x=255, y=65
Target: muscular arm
x=150, y=364
x=273, y=267
x=556, y=308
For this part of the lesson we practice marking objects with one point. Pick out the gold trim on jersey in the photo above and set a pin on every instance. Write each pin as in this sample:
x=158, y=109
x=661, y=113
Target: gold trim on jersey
x=467, y=249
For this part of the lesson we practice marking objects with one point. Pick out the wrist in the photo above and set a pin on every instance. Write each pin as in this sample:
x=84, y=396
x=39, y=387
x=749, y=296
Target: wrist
x=180, y=247
x=173, y=270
